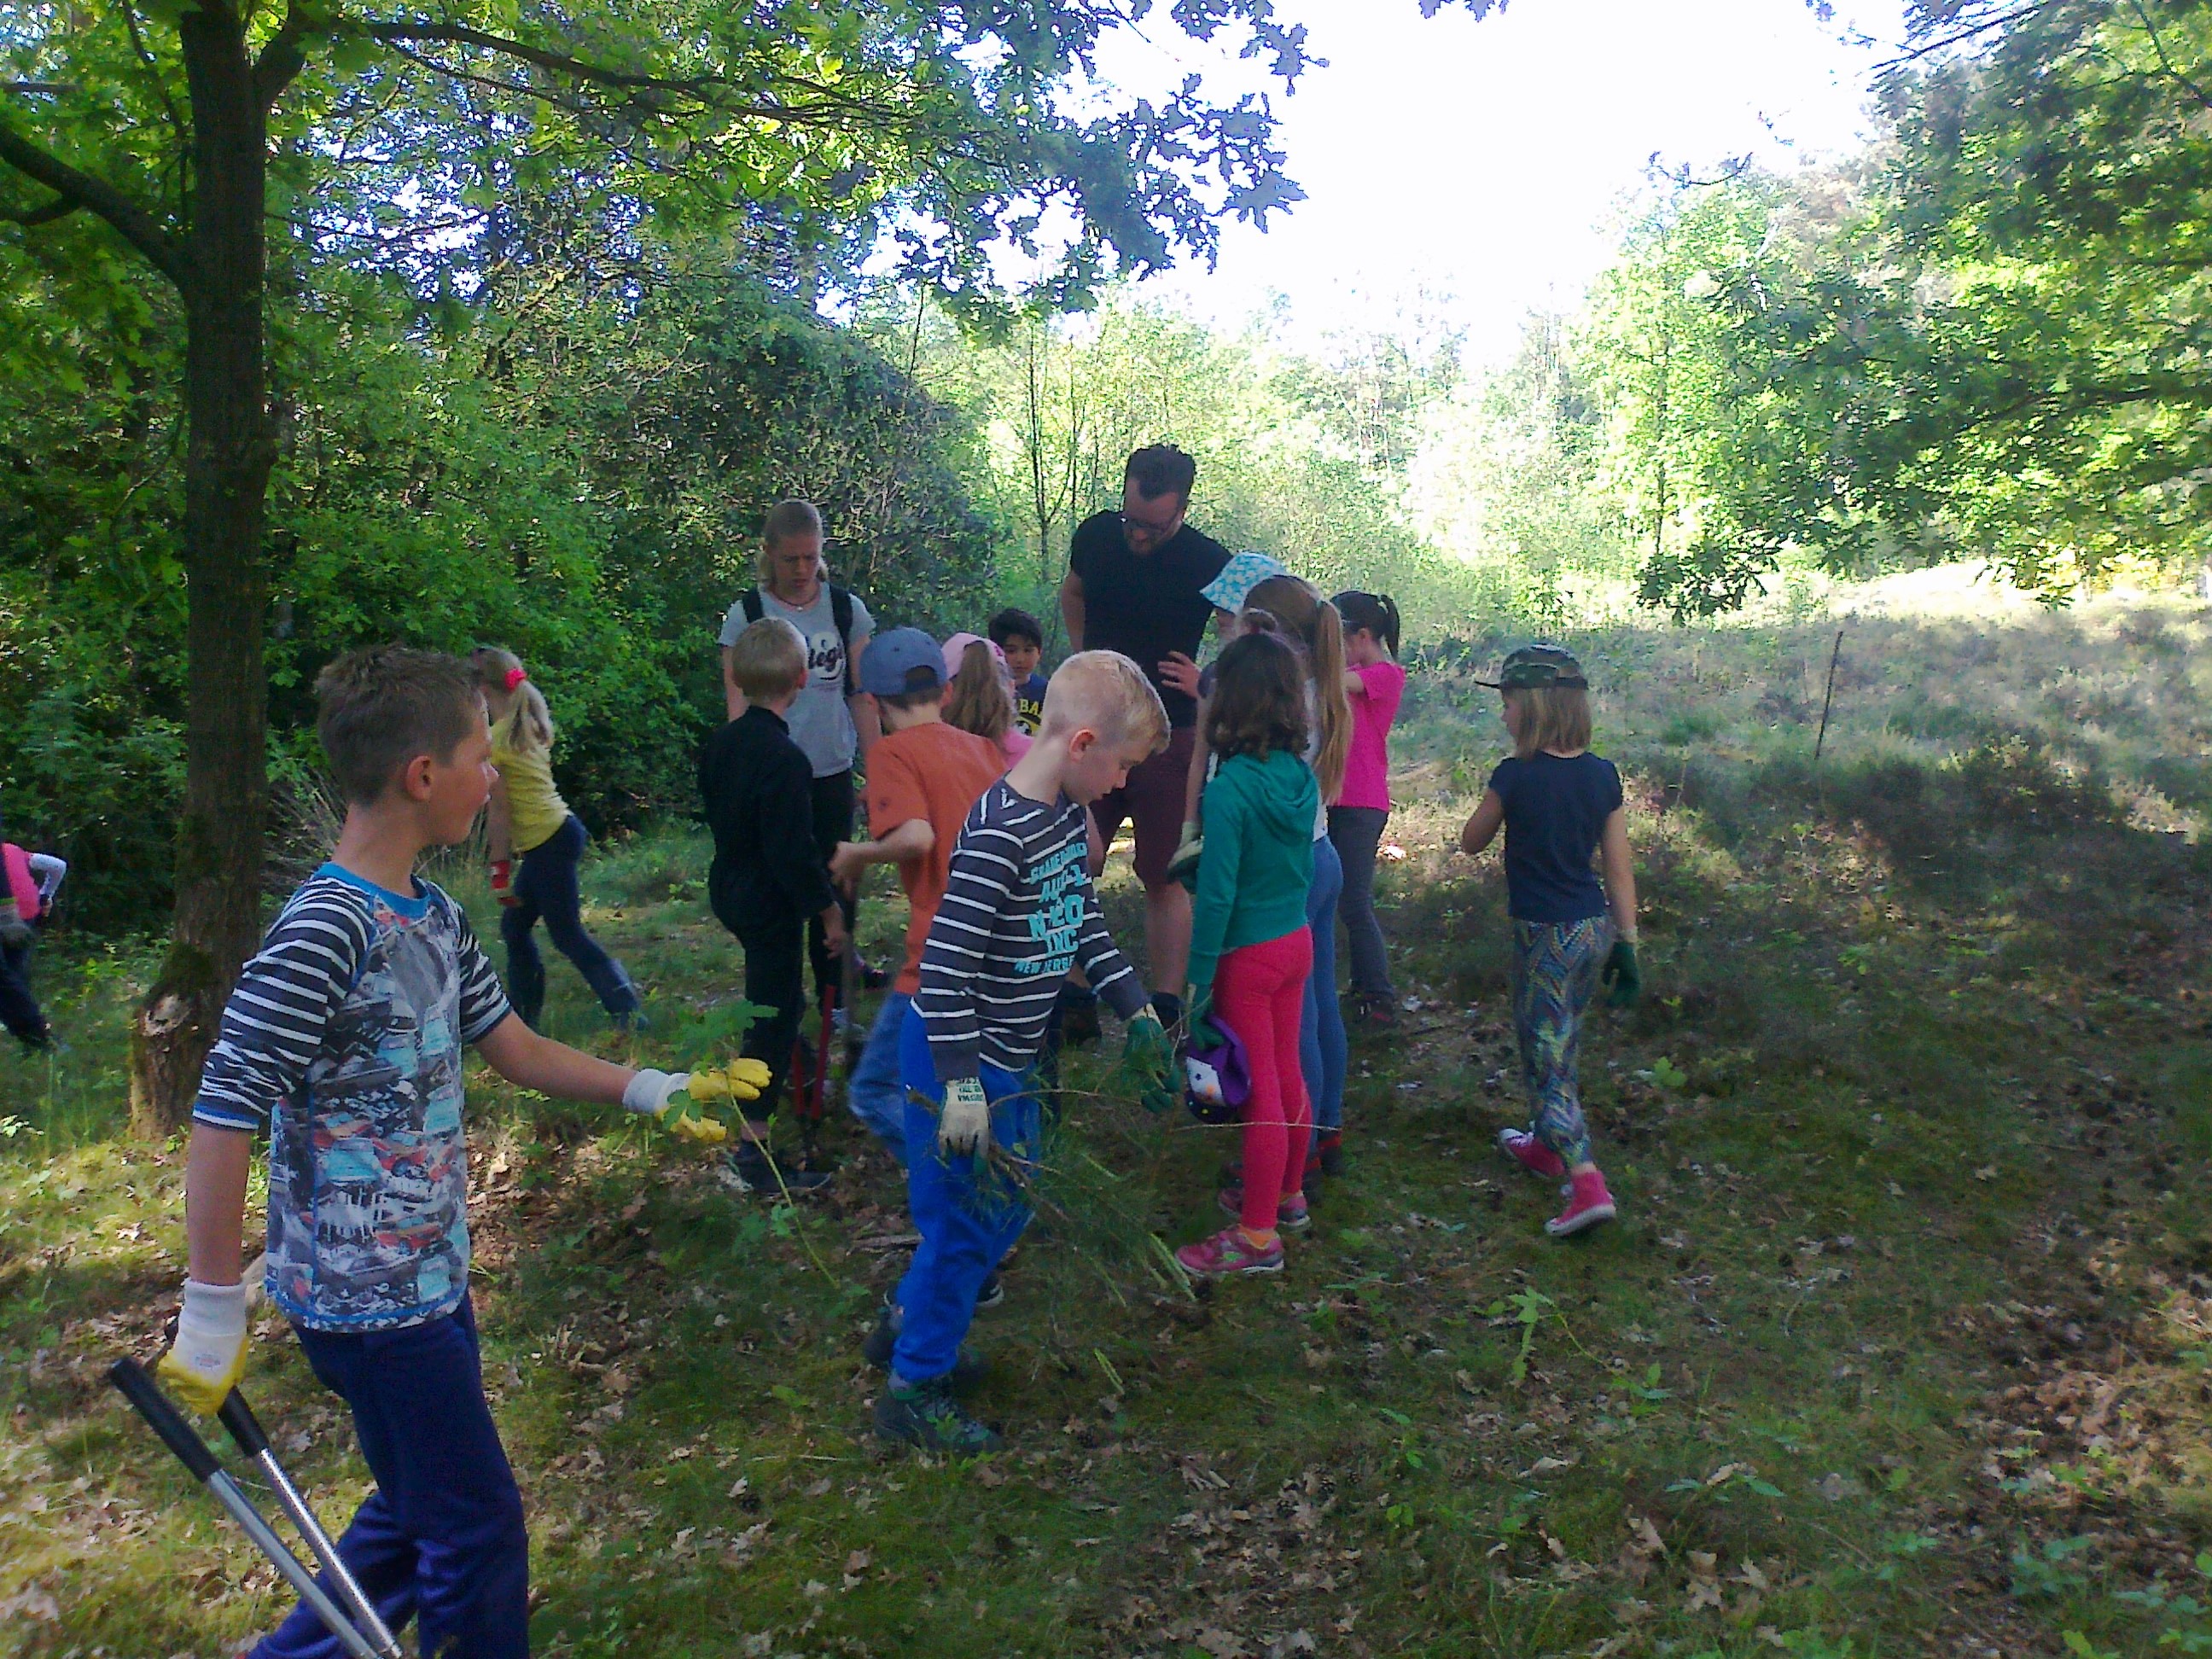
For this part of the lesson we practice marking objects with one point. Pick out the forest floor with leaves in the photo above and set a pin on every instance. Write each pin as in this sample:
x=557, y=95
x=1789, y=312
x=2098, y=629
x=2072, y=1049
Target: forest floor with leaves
x=1902, y=1343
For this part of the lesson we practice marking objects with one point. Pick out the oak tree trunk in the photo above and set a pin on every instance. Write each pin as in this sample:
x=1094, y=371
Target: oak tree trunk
x=230, y=448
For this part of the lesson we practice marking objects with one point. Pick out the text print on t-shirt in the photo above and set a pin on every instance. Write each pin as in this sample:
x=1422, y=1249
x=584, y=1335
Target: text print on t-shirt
x=1058, y=919
x=825, y=657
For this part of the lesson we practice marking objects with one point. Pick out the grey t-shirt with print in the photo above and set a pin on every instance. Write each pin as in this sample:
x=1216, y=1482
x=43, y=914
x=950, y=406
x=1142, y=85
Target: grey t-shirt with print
x=820, y=723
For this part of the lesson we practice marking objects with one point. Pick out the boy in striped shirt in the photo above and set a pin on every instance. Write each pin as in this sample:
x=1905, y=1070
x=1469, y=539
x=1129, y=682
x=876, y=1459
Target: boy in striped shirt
x=345, y=1036
x=1017, y=912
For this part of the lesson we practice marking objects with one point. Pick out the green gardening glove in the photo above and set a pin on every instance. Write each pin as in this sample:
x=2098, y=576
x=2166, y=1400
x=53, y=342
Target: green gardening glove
x=1622, y=978
x=1148, y=1057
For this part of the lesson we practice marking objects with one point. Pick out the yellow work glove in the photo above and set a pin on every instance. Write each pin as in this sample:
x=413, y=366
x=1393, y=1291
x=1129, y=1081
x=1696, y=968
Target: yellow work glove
x=209, y=1356
x=667, y=1097
x=742, y=1080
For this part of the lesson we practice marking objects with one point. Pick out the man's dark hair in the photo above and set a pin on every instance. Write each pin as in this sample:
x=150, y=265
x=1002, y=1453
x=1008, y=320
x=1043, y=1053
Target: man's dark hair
x=1160, y=469
x=1012, y=624
x=383, y=706
x=1259, y=701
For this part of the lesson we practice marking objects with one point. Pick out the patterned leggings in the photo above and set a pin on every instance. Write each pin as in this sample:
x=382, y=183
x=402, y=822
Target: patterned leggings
x=1555, y=969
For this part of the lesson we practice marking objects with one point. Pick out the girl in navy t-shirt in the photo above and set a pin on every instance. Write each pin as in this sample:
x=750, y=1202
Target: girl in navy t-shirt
x=1559, y=805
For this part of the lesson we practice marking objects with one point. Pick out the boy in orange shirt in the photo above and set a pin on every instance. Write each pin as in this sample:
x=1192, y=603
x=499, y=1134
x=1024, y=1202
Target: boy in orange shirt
x=923, y=778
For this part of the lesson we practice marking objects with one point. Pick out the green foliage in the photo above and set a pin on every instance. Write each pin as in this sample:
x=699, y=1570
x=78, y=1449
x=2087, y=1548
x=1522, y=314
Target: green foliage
x=577, y=474
x=1983, y=334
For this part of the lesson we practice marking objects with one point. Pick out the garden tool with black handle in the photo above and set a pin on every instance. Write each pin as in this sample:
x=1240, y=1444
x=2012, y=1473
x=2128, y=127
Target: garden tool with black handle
x=132, y=1380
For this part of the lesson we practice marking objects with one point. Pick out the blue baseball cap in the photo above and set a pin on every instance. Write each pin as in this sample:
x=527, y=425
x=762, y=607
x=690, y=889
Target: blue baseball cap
x=891, y=664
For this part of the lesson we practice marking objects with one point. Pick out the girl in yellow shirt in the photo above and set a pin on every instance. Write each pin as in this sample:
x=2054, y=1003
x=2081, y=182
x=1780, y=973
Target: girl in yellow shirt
x=529, y=821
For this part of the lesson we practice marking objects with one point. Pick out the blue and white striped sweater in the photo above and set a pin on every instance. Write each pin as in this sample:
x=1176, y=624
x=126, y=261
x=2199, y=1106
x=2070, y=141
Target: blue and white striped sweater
x=345, y=1036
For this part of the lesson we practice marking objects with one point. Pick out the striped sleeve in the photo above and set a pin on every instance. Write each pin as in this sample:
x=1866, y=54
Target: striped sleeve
x=985, y=869
x=1103, y=962
x=274, y=1021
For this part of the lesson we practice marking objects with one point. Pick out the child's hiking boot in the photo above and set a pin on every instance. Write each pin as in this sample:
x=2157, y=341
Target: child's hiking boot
x=751, y=1163
x=926, y=1415
x=1290, y=1215
x=1588, y=1204
x=1531, y=1154
x=967, y=1371
x=1328, y=1155
x=1228, y=1254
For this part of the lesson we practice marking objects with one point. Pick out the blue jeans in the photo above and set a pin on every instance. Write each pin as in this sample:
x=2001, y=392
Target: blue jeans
x=441, y=1539
x=969, y=1215
x=875, y=1095
x=545, y=885
x=1321, y=1031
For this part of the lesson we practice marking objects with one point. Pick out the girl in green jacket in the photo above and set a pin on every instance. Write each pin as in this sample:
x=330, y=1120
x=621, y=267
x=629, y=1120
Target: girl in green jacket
x=1251, y=950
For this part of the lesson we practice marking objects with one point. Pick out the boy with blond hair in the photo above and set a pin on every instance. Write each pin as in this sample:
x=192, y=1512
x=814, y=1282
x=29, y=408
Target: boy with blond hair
x=345, y=1036
x=924, y=775
x=1018, y=912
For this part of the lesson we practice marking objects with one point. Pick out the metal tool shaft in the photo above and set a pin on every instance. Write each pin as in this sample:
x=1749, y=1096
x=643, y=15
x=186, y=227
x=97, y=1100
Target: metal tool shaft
x=295, y=1505
x=265, y=1540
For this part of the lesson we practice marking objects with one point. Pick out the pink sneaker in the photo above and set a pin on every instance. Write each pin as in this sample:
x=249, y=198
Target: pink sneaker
x=1227, y=1254
x=1588, y=1204
x=1530, y=1154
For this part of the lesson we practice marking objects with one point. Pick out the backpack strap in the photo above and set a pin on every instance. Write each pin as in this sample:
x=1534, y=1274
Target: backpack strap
x=841, y=613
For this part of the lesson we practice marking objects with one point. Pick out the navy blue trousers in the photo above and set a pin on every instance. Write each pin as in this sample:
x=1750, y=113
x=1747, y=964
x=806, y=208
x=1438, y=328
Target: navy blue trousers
x=441, y=1539
x=969, y=1215
x=545, y=886
x=19, y=1009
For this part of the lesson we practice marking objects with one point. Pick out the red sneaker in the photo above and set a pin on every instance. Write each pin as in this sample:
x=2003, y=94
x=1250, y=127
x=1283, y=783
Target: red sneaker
x=1229, y=1253
x=1588, y=1205
x=1530, y=1154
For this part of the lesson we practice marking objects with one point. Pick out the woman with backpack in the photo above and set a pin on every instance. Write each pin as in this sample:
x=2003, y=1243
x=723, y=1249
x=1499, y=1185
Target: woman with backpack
x=834, y=721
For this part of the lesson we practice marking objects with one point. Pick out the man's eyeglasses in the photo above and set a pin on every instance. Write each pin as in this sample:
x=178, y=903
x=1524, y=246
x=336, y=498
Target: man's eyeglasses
x=1145, y=527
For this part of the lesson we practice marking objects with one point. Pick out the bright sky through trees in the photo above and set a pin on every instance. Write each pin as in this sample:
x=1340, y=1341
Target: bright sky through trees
x=1485, y=160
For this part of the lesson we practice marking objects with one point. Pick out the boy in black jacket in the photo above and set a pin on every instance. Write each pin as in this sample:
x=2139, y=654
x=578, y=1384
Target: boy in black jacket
x=767, y=877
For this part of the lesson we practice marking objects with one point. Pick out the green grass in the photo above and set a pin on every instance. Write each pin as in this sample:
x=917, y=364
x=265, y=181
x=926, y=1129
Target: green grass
x=1902, y=1343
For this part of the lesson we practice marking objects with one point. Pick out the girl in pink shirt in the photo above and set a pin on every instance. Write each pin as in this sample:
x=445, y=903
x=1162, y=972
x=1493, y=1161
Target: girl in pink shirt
x=1374, y=682
x=979, y=696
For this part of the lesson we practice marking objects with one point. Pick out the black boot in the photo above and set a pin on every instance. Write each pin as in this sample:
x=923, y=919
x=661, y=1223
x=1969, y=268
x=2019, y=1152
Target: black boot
x=751, y=1163
x=927, y=1416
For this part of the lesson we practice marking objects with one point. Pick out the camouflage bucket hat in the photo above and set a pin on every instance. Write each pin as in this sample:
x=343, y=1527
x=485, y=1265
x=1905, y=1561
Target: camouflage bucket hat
x=1535, y=666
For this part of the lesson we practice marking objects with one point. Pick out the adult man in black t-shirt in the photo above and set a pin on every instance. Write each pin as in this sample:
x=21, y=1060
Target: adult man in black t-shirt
x=1133, y=586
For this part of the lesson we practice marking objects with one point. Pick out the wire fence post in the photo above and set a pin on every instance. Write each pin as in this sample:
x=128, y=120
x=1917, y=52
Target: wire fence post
x=1821, y=742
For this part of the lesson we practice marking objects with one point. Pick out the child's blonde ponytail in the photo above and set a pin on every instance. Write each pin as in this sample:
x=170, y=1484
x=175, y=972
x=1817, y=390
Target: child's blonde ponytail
x=520, y=719
x=1299, y=610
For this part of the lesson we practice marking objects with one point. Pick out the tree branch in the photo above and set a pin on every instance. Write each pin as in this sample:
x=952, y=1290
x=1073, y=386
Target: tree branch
x=130, y=221
x=710, y=90
x=154, y=74
x=60, y=207
x=282, y=58
x=2165, y=62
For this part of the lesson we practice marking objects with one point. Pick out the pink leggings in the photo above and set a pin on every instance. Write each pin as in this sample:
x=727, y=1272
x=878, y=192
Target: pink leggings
x=1259, y=991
